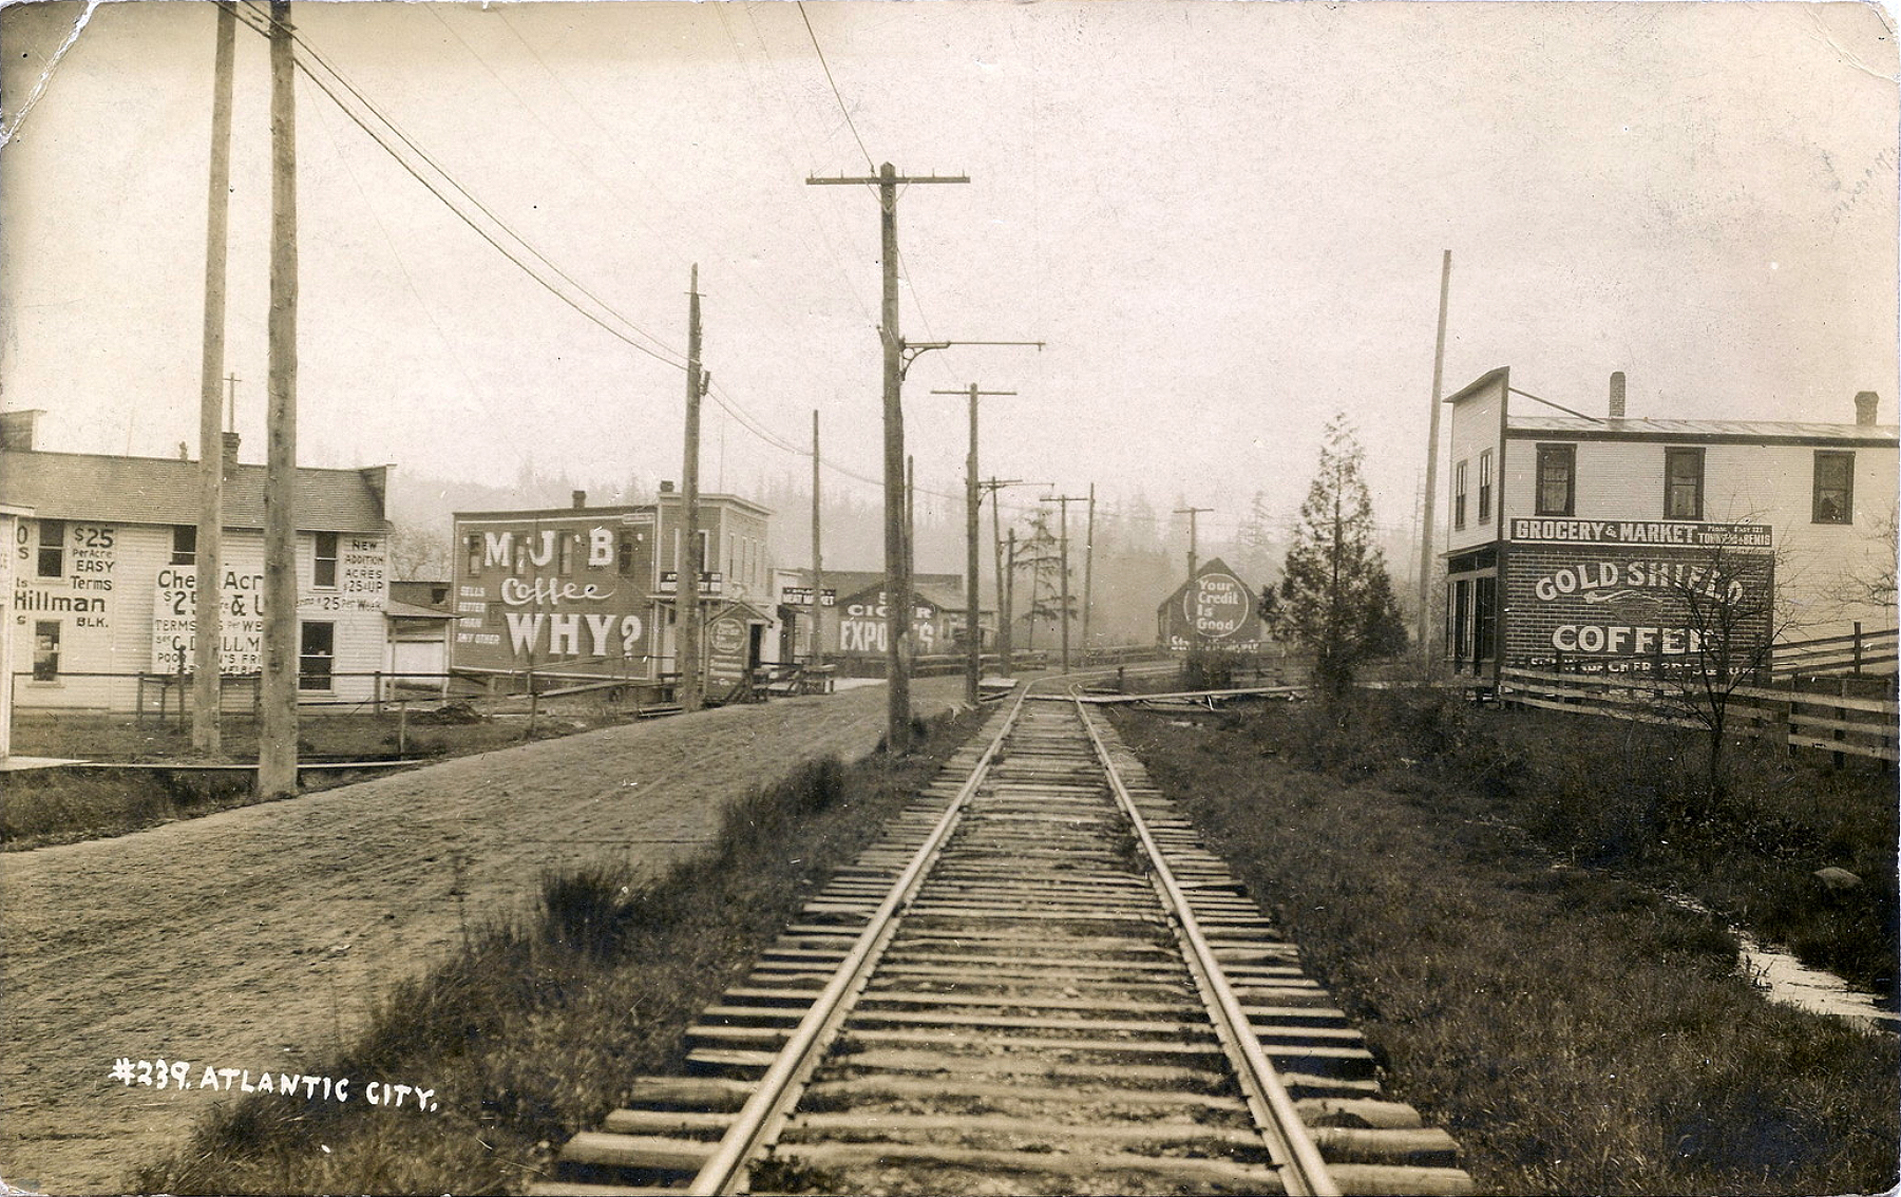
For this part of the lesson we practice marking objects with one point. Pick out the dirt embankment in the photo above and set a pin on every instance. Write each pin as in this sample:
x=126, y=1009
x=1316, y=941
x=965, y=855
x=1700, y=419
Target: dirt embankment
x=258, y=938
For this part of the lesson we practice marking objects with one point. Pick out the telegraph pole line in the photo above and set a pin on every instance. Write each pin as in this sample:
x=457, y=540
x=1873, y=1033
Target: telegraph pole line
x=1432, y=464
x=1194, y=633
x=973, y=633
x=1065, y=500
x=1089, y=565
x=277, y=733
x=1010, y=591
x=686, y=591
x=899, y=650
x=1004, y=633
x=818, y=558
x=206, y=737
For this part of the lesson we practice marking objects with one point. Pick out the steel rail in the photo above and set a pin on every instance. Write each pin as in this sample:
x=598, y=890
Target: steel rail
x=1303, y=1169
x=779, y=1089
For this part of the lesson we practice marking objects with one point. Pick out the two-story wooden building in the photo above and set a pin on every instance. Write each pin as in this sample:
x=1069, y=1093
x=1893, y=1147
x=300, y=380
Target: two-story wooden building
x=1613, y=541
x=588, y=593
x=103, y=595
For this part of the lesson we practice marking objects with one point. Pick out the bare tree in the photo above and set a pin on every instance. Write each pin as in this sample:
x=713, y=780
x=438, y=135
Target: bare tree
x=1721, y=603
x=417, y=554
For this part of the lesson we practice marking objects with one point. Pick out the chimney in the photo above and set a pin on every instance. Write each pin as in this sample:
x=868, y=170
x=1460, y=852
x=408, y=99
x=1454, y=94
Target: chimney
x=580, y=499
x=230, y=456
x=16, y=428
x=666, y=487
x=1865, y=404
x=1617, y=394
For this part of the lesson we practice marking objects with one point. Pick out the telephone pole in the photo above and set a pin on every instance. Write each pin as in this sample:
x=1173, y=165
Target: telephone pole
x=818, y=559
x=206, y=737
x=1089, y=565
x=686, y=592
x=1010, y=590
x=1004, y=635
x=1065, y=500
x=277, y=733
x=1194, y=633
x=899, y=651
x=1432, y=463
x=973, y=632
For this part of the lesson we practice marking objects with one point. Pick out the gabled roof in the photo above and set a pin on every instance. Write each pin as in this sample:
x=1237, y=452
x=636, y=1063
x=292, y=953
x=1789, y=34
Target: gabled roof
x=849, y=583
x=164, y=490
x=1711, y=431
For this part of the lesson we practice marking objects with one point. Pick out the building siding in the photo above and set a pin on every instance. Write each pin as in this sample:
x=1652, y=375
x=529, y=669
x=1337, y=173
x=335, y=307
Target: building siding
x=106, y=606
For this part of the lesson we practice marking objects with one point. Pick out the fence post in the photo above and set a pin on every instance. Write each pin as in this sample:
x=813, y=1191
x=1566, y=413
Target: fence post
x=376, y=694
x=402, y=727
x=1841, y=716
x=1857, y=665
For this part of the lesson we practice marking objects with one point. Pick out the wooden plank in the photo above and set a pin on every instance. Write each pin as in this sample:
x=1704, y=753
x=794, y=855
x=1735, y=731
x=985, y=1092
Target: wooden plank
x=1884, y=753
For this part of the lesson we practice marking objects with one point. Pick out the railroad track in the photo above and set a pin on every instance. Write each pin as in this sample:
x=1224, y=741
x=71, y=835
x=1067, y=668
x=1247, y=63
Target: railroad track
x=1036, y=980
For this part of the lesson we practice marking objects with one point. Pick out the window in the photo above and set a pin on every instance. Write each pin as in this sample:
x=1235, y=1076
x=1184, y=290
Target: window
x=1458, y=495
x=1484, y=617
x=324, y=566
x=624, y=553
x=1834, y=488
x=46, y=650
x=1485, y=487
x=184, y=544
x=1683, y=484
x=475, y=553
x=52, y=548
x=316, y=652
x=1557, y=479
x=564, y=553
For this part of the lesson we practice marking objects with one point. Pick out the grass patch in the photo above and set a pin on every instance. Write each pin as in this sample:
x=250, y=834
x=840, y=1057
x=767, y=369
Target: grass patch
x=1576, y=1031
x=58, y=806
x=538, y=1028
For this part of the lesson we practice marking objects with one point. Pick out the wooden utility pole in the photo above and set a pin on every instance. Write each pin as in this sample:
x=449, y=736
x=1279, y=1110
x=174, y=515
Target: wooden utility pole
x=899, y=650
x=1089, y=565
x=206, y=737
x=973, y=630
x=1432, y=464
x=277, y=735
x=1194, y=633
x=1010, y=591
x=818, y=559
x=1065, y=500
x=686, y=592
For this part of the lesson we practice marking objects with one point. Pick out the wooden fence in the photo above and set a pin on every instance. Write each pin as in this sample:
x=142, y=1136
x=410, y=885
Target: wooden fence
x=1845, y=716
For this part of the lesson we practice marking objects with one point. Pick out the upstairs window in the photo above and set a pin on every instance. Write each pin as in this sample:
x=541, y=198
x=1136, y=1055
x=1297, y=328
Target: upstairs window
x=1458, y=495
x=323, y=571
x=1683, y=484
x=474, y=545
x=1485, y=487
x=1834, y=487
x=184, y=544
x=46, y=650
x=1557, y=479
x=52, y=561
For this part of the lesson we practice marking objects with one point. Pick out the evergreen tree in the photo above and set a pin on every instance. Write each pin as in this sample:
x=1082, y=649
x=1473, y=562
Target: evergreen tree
x=1339, y=600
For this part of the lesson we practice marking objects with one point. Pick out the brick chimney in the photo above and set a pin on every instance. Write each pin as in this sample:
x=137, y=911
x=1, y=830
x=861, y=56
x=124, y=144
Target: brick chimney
x=1865, y=404
x=580, y=499
x=1617, y=395
x=230, y=456
x=16, y=428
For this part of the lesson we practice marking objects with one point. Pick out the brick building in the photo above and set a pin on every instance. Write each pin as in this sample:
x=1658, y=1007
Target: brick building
x=1614, y=542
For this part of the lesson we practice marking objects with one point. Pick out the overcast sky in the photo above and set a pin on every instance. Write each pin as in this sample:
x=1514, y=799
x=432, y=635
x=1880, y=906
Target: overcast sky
x=1226, y=220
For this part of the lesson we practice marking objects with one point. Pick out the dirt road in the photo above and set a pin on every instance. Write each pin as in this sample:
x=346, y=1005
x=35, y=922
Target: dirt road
x=257, y=938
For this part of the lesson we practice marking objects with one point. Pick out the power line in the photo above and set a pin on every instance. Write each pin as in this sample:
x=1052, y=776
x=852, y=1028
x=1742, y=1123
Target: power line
x=826, y=67
x=259, y=22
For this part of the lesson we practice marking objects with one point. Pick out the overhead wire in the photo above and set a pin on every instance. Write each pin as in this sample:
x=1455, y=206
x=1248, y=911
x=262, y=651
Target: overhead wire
x=260, y=22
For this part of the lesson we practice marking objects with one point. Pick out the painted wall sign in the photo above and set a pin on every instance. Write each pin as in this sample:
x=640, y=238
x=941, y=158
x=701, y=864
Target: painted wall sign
x=1214, y=610
x=1640, y=532
x=175, y=620
x=727, y=641
x=1630, y=609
